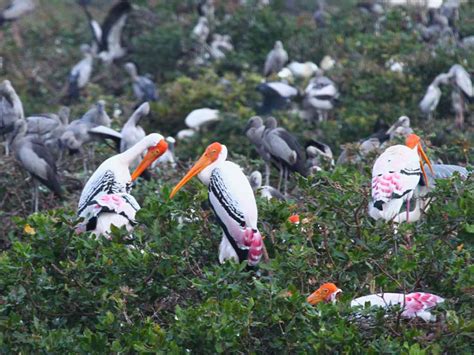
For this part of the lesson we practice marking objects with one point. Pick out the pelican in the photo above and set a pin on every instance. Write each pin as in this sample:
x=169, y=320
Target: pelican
x=36, y=159
x=285, y=151
x=81, y=72
x=265, y=191
x=233, y=202
x=49, y=127
x=16, y=9
x=11, y=110
x=254, y=131
x=143, y=88
x=414, y=304
x=320, y=95
x=131, y=132
x=276, y=59
x=276, y=96
x=395, y=176
x=201, y=117
x=106, y=199
x=433, y=94
x=108, y=36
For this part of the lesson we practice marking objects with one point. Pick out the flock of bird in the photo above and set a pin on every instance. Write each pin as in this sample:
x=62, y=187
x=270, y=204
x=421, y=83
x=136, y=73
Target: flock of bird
x=401, y=174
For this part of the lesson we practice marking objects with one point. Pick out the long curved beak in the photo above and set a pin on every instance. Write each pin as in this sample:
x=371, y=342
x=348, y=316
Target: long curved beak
x=424, y=157
x=200, y=165
x=152, y=154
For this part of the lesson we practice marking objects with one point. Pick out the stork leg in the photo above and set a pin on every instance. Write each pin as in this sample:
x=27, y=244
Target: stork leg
x=280, y=177
x=7, y=148
x=320, y=116
x=267, y=173
x=35, y=195
x=408, y=210
x=285, y=180
x=460, y=115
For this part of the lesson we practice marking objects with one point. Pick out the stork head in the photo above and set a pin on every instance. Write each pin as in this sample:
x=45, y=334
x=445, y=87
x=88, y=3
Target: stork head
x=278, y=45
x=414, y=142
x=157, y=147
x=327, y=293
x=213, y=152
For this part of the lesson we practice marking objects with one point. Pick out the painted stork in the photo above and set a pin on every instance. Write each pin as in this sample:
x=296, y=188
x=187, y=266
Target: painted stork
x=185, y=134
x=168, y=158
x=16, y=9
x=132, y=132
x=143, y=87
x=254, y=131
x=320, y=95
x=106, y=199
x=433, y=94
x=36, y=159
x=266, y=191
x=107, y=37
x=49, y=127
x=201, y=117
x=276, y=96
x=11, y=110
x=462, y=85
x=276, y=59
x=316, y=152
x=233, y=202
x=415, y=304
x=81, y=72
x=395, y=176
x=285, y=151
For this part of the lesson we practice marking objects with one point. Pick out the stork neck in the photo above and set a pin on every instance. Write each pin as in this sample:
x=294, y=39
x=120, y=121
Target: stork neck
x=135, y=151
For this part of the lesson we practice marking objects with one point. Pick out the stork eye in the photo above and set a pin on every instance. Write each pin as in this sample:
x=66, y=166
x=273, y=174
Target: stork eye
x=325, y=291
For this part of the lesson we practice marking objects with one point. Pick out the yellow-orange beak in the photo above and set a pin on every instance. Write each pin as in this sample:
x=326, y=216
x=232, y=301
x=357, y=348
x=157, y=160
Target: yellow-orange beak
x=152, y=154
x=315, y=298
x=200, y=165
x=424, y=157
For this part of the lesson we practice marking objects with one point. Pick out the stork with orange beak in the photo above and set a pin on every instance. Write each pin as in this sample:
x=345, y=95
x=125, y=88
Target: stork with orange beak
x=395, y=176
x=106, y=198
x=233, y=202
x=326, y=293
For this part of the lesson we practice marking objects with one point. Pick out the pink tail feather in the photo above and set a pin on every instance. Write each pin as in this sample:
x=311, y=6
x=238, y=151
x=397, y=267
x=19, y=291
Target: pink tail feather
x=253, y=240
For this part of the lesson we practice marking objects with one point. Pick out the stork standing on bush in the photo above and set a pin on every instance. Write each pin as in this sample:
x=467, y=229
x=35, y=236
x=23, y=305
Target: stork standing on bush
x=233, y=202
x=106, y=199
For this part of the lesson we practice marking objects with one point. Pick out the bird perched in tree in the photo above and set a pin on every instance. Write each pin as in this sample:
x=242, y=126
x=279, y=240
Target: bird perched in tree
x=317, y=153
x=143, y=87
x=201, y=117
x=233, y=202
x=395, y=176
x=81, y=72
x=106, y=199
x=36, y=159
x=415, y=304
x=320, y=95
x=266, y=191
x=254, y=131
x=276, y=59
x=462, y=86
x=49, y=127
x=285, y=151
x=11, y=110
x=276, y=96
x=400, y=129
x=132, y=132
x=430, y=101
x=201, y=31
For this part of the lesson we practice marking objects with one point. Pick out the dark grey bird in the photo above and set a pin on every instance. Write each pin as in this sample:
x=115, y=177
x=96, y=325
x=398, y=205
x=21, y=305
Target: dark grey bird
x=320, y=16
x=90, y=127
x=276, y=59
x=132, y=132
x=286, y=152
x=318, y=156
x=265, y=191
x=143, y=87
x=49, y=127
x=400, y=129
x=276, y=96
x=36, y=159
x=254, y=131
x=80, y=73
x=11, y=110
x=16, y=9
x=430, y=101
x=107, y=37
x=320, y=95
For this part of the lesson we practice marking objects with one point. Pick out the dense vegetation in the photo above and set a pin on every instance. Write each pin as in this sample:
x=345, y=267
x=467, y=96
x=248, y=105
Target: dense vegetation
x=164, y=290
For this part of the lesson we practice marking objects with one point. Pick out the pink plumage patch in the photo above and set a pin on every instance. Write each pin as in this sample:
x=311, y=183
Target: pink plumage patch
x=385, y=185
x=417, y=302
x=253, y=240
